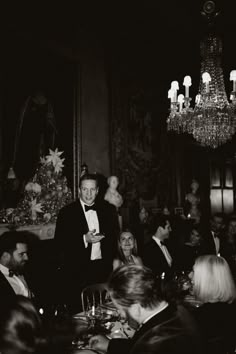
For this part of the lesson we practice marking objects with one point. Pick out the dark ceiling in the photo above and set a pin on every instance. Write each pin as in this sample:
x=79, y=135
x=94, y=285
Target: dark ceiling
x=114, y=19
x=161, y=36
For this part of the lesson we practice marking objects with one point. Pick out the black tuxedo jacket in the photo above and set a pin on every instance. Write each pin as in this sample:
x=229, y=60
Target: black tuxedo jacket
x=7, y=293
x=154, y=258
x=72, y=225
x=171, y=331
x=208, y=244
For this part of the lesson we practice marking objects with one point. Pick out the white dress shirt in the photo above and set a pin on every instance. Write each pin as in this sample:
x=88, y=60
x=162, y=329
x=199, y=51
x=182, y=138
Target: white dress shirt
x=217, y=242
x=17, y=282
x=164, y=250
x=93, y=224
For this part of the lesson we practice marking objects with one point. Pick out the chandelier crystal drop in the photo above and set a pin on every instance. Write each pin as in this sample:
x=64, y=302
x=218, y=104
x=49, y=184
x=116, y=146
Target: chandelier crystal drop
x=212, y=122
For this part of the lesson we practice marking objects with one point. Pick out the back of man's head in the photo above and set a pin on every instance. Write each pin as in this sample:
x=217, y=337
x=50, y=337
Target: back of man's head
x=10, y=239
x=133, y=284
x=158, y=221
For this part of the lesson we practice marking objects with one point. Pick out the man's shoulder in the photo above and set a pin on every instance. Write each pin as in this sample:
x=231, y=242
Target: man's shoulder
x=2, y=276
x=4, y=284
x=169, y=329
x=105, y=205
x=71, y=206
x=150, y=244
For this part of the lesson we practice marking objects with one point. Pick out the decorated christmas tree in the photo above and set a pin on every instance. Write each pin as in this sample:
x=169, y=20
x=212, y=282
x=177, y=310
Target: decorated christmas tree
x=44, y=195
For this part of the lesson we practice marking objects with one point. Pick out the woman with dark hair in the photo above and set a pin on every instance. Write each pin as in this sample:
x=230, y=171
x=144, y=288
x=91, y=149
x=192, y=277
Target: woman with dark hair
x=127, y=251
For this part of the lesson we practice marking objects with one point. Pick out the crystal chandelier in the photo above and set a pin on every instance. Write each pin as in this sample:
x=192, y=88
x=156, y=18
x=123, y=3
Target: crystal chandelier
x=212, y=121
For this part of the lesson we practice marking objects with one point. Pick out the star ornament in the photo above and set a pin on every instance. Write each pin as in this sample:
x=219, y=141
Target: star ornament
x=36, y=207
x=59, y=165
x=54, y=157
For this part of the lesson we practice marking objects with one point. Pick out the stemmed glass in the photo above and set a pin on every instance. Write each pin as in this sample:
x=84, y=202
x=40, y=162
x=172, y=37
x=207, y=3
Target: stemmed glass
x=94, y=315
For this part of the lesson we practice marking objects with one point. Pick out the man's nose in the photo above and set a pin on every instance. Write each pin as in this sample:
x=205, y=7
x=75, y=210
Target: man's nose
x=25, y=257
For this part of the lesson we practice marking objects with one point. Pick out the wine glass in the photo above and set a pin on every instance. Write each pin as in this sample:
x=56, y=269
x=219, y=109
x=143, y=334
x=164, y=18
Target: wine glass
x=93, y=314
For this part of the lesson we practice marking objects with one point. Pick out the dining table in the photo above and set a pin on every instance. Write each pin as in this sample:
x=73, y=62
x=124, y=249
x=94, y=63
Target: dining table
x=70, y=334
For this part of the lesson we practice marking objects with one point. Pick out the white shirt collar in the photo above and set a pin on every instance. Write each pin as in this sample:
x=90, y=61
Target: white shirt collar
x=157, y=240
x=83, y=204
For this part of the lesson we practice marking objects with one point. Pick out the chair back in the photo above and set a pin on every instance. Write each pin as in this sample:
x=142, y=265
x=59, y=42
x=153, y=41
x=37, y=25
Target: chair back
x=93, y=295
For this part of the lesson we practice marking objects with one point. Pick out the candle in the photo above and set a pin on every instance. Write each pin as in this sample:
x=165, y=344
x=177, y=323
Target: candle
x=206, y=78
x=187, y=83
x=175, y=88
x=93, y=310
x=171, y=95
x=180, y=101
x=233, y=78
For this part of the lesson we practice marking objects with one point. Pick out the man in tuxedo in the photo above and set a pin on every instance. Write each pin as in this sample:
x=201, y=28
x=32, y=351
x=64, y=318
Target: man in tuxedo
x=161, y=327
x=86, y=234
x=212, y=237
x=156, y=254
x=13, y=258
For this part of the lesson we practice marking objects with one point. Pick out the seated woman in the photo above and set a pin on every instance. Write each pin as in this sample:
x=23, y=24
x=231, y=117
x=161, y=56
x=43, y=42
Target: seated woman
x=214, y=286
x=127, y=252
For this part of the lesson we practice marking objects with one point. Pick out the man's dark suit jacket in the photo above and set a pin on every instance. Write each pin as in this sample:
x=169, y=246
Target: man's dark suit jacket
x=70, y=228
x=7, y=293
x=154, y=258
x=171, y=331
x=208, y=244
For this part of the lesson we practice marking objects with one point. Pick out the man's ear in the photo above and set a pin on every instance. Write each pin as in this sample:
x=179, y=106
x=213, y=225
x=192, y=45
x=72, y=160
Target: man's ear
x=135, y=310
x=5, y=257
x=159, y=229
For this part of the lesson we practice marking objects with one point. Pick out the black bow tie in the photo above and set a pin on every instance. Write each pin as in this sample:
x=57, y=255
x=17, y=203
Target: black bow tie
x=163, y=243
x=214, y=234
x=12, y=273
x=89, y=207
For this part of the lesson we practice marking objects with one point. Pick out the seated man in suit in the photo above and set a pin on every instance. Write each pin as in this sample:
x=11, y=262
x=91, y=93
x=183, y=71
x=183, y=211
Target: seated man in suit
x=156, y=254
x=13, y=258
x=161, y=327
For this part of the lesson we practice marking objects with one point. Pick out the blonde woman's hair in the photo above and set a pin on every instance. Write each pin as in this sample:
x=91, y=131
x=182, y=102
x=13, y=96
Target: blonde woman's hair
x=213, y=280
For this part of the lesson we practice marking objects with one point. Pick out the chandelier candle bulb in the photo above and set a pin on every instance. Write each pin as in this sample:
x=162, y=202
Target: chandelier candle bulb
x=233, y=78
x=187, y=83
x=206, y=78
x=175, y=88
x=180, y=101
x=171, y=96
